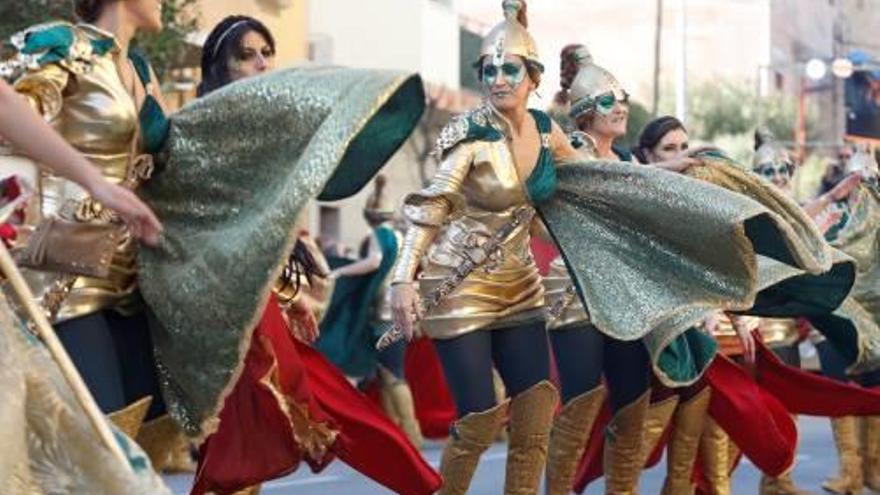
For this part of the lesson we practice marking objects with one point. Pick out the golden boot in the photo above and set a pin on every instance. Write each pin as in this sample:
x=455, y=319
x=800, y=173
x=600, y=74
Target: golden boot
x=717, y=455
x=568, y=439
x=871, y=452
x=849, y=480
x=130, y=419
x=402, y=400
x=500, y=396
x=783, y=485
x=469, y=438
x=254, y=490
x=158, y=438
x=623, y=447
x=657, y=419
x=690, y=417
x=180, y=460
x=531, y=417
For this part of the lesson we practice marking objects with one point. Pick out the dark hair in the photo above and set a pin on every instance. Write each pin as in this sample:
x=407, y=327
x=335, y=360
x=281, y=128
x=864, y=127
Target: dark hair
x=88, y=10
x=653, y=133
x=223, y=42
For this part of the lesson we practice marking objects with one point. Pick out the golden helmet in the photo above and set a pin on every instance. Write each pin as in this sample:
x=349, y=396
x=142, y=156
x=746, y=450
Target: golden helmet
x=511, y=37
x=769, y=152
x=591, y=84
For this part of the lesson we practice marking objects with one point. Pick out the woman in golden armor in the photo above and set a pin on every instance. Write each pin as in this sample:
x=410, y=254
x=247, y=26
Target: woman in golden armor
x=484, y=297
x=50, y=445
x=104, y=100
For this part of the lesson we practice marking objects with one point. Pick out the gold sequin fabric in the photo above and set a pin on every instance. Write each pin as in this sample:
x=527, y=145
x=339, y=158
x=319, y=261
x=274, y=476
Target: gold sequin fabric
x=49, y=446
x=239, y=166
x=90, y=107
x=860, y=238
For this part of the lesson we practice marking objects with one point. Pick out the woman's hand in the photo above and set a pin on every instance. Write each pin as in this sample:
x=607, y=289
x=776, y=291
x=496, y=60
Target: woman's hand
x=141, y=220
x=406, y=308
x=302, y=321
x=843, y=188
x=744, y=327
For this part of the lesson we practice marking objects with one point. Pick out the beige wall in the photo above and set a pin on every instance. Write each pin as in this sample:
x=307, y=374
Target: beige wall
x=288, y=24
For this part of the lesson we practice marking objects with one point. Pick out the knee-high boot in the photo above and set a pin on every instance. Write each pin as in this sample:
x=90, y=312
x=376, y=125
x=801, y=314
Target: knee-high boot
x=717, y=455
x=158, y=438
x=623, y=446
x=781, y=485
x=531, y=417
x=688, y=427
x=871, y=452
x=470, y=437
x=849, y=480
x=130, y=418
x=569, y=437
x=656, y=421
x=402, y=400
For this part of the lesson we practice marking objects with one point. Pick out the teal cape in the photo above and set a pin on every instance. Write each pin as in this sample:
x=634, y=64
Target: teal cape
x=349, y=330
x=238, y=167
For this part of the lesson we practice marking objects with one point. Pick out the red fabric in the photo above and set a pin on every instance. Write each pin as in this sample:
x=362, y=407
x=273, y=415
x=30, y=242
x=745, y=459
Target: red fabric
x=803, y=392
x=435, y=408
x=255, y=442
x=370, y=442
x=756, y=421
x=544, y=253
x=752, y=417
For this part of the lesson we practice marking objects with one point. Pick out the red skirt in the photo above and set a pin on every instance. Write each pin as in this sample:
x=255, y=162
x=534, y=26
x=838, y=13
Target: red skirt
x=291, y=405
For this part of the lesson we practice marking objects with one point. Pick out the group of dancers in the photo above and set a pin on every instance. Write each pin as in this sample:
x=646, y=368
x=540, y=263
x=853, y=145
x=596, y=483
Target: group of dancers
x=596, y=306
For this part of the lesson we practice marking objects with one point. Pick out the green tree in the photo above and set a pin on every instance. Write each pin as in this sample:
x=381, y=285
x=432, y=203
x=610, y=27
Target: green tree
x=166, y=50
x=729, y=109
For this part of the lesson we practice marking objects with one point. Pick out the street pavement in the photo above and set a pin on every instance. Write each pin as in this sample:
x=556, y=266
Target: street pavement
x=816, y=460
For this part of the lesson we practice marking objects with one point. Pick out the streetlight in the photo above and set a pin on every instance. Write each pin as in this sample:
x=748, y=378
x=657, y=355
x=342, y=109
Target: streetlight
x=816, y=69
x=842, y=67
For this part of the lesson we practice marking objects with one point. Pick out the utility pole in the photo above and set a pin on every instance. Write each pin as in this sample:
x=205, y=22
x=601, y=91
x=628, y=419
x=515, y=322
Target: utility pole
x=658, y=31
x=681, y=110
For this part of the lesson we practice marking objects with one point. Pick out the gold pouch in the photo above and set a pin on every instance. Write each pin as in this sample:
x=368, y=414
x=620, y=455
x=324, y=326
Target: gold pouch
x=71, y=247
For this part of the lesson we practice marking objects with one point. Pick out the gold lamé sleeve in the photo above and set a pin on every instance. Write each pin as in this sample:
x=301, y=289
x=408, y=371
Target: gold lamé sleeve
x=44, y=89
x=428, y=209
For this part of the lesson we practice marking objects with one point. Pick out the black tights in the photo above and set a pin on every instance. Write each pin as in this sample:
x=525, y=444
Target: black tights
x=584, y=354
x=520, y=354
x=114, y=355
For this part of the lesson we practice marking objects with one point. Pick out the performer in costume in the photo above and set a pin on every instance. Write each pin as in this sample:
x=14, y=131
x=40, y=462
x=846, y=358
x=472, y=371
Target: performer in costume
x=278, y=412
x=691, y=350
x=104, y=100
x=477, y=190
x=856, y=234
x=599, y=112
x=495, y=316
x=50, y=445
x=360, y=313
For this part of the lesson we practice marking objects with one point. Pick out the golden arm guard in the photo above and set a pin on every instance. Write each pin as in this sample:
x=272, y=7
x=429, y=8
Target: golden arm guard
x=430, y=208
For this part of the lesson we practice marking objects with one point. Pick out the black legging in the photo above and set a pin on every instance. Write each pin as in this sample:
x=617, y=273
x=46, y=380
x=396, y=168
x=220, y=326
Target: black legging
x=114, y=355
x=583, y=354
x=834, y=366
x=520, y=354
x=392, y=359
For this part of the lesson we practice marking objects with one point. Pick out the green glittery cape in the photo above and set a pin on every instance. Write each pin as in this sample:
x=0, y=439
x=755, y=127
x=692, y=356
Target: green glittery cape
x=652, y=251
x=238, y=167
